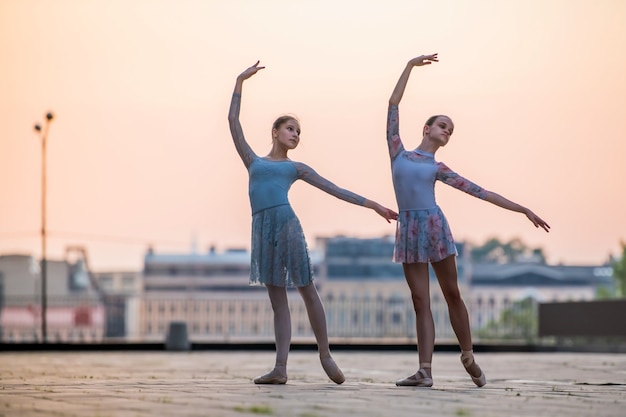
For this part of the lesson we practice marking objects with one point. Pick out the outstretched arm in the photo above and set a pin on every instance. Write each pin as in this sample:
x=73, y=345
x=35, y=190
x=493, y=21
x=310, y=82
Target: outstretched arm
x=500, y=201
x=309, y=175
x=398, y=92
x=453, y=179
x=244, y=150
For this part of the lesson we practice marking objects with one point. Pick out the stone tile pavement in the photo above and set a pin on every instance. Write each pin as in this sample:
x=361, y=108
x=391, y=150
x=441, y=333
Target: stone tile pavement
x=219, y=384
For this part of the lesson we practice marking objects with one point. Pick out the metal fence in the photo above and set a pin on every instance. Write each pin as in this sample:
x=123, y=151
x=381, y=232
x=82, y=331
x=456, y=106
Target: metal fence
x=137, y=319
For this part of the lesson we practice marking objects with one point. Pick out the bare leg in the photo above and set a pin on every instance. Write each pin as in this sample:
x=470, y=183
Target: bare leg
x=448, y=280
x=416, y=275
x=282, y=334
x=317, y=317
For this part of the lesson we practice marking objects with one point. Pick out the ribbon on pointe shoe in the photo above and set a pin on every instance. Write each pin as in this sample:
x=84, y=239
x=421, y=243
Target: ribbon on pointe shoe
x=273, y=377
x=419, y=379
x=467, y=359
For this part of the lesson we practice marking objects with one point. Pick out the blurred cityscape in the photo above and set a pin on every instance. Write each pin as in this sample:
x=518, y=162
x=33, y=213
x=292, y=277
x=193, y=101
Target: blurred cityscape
x=364, y=293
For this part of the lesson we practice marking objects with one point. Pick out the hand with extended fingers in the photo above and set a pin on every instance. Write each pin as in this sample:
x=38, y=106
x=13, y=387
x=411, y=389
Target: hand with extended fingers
x=537, y=221
x=386, y=213
x=250, y=71
x=423, y=60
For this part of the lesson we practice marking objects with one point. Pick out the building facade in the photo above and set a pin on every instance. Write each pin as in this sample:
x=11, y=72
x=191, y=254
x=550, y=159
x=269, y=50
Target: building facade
x=500, y=289
x=365, y=296
x=121, y=294
x=74, y=311
x=211, y=293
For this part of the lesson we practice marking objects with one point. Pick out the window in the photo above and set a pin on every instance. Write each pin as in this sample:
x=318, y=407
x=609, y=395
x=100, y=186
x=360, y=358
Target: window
x=128, y=282
x=106, y=282
x=396, y=318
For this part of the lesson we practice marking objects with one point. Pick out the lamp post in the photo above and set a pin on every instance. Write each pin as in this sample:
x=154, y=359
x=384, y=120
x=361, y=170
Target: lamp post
x=43, y=134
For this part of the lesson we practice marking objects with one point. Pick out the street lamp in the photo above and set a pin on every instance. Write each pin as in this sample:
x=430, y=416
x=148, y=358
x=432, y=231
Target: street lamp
x=43, y=134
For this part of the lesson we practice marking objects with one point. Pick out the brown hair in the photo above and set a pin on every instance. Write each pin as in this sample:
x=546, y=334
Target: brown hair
x=284, y=119
x=431, y=120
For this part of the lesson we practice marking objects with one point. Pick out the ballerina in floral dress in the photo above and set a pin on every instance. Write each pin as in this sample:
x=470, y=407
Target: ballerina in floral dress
x=423, y=235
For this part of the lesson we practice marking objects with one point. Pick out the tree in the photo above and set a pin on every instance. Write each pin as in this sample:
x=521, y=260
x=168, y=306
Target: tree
x=619, y=273
x=518, y=322
x=486, y=252
x=494, y=251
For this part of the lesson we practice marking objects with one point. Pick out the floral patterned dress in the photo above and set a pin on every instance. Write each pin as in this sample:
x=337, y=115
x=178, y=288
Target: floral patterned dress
x=422, y=233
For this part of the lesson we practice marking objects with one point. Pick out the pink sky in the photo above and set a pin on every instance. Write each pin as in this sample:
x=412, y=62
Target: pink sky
x=139, y=152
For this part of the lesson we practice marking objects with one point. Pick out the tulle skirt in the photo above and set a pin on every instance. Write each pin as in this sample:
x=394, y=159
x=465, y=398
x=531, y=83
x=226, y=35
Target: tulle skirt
x=279, y=251
x=423, y=236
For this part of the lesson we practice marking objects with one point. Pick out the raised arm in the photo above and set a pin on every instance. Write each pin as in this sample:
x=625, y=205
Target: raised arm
x=394, y=142
x=309, y=175
x=245, y=152
x=398, y=92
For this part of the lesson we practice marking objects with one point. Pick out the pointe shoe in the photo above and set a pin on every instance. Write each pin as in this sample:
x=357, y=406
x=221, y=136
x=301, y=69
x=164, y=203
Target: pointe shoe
x=467, y=361
x=332, y=370
x=414, y=381
x=271, y=378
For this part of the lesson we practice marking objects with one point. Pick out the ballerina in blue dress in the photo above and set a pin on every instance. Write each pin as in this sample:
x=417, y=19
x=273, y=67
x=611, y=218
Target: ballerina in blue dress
x=279, y=254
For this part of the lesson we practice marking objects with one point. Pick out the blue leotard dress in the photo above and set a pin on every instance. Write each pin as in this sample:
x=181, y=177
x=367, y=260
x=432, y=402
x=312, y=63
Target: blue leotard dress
x=279, y=254
x=422, y=232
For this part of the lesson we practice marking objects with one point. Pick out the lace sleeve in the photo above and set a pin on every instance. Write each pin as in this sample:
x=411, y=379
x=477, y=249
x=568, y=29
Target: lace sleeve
x=309, y=175
x=453, y=179
x=243, y=149
x=394, y=142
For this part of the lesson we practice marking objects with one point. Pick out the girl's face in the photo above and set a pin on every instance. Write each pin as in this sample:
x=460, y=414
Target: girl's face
x=440, y=131
x=287, y=134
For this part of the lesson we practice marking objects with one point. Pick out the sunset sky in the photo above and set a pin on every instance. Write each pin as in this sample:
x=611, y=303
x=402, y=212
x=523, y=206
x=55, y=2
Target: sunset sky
x=139, y=151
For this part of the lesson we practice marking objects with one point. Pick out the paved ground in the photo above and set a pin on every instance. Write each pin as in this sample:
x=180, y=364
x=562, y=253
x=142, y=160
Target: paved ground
x=219, y=384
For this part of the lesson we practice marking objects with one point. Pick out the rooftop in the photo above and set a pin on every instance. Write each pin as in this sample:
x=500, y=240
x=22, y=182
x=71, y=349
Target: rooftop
x=219, y=384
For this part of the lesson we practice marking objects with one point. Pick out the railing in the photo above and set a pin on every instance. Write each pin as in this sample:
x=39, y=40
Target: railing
x=139, y=319
x=76, y=319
